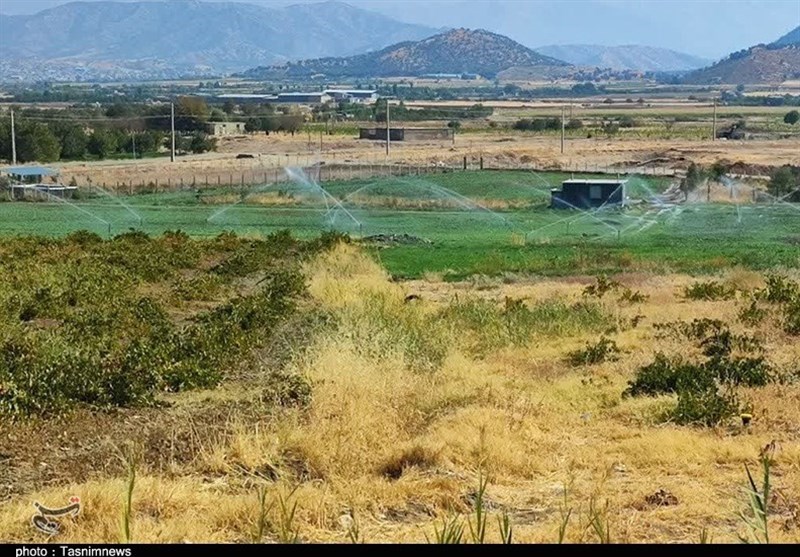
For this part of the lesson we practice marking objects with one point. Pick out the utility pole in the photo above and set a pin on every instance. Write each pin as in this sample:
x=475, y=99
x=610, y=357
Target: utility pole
x=388, y=129
x=562, y=129
x=172, y=113
x=714, y=125
x=133, y=142
x=13, y=140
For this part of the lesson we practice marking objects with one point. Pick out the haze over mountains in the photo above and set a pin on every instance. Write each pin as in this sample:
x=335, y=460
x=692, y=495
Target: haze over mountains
x=195, y=36
x=132, y=40
x=627, y=57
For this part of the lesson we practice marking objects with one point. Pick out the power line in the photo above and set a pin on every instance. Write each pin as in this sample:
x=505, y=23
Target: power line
x=108, y=119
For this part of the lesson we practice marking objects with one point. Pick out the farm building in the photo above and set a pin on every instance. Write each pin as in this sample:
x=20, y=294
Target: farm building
x=361, y=96
x=29, y=182
x=225, y=128
x=588, y=194
x=246, y=98
x=406, y=134
x=304, y=98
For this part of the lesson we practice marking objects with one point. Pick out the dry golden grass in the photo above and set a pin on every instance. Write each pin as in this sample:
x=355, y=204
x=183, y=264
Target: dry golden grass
x=394, y=448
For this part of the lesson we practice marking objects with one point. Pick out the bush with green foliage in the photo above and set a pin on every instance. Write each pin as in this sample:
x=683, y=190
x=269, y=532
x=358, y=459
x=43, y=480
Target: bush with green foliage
x=79, y=323
x=792, y=117
x=704, y=390
x=604, y=350
x=709, y=290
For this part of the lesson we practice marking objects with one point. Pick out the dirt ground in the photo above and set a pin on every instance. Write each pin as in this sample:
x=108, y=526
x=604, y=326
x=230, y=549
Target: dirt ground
x=498, y=150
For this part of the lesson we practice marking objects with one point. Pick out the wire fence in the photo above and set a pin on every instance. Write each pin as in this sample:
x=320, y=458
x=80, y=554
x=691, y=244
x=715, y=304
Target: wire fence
x=196, y=180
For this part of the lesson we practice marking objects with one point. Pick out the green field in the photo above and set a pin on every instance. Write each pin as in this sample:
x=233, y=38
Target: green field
x=476, y=222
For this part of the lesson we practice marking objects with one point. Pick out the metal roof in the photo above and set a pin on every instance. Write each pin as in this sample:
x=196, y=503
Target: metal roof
x=597, y=182
x=245, y=96
x=352, y=91
x=30, y=171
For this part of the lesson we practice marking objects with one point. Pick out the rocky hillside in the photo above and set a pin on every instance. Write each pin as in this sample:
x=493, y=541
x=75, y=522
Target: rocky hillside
x=772, y=63
x=215, y=36
x=759, y=64
x=454, y=52
x=627, y=57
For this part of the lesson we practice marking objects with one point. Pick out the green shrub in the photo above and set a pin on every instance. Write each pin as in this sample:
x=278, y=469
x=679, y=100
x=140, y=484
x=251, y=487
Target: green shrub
x=705, y=407
x=76, y=329
x=704, y=389
x=752, y=314
x=669, y=375
x=709, y=290
x=633, y=297
x=603, y=286
x=603, y=350
x=779, y=290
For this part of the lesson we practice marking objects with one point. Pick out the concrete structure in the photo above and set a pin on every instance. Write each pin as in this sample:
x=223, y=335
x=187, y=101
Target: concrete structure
x=406, y=134
x=225, y=128
x=246, y=98
x=304, y=98
x=588, y=194
x=29, y=182
x=361, y=96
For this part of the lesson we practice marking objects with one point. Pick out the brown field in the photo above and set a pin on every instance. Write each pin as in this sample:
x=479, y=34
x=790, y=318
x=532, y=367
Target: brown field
x=499, y=149
x=384, y=451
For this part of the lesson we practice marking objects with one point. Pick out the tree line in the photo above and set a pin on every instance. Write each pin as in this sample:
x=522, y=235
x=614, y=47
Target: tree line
x=120, y=129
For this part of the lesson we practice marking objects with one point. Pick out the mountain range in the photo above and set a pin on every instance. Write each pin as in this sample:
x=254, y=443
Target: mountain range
x=137, y=40
x=626, y=57
x=457, y=51
x=194, y=35
x=773, y=63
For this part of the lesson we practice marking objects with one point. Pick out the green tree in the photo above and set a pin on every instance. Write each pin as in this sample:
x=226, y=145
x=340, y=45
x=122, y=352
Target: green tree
x=217, y=115
x=191, y=113
x=694, y=177
x=782, y=182
x=149, y=141
x=101, y=143
x=36, y=142
x=718, y=170
x=792, y=117
x=201, y=142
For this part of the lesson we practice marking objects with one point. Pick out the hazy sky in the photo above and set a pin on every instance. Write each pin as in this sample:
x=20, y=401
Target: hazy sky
x=710, y=28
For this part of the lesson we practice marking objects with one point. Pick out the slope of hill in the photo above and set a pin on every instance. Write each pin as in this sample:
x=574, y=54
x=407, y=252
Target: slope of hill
x=772, y=63
x=627, y=57
x=452, y=52
x=759, y=64
x=790, y=38
x=222, y=36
